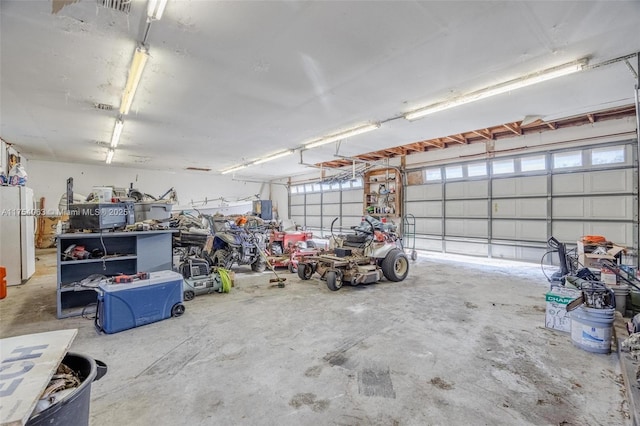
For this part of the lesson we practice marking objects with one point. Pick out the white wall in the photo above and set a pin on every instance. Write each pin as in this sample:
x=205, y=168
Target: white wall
x=48, y=179
x=279, y=195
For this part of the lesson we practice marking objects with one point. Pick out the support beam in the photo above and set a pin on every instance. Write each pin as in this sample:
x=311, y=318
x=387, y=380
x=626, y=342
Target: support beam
x=592, y=118
x=514, y=127
x=458, y=138
x=552, y=125
x=437, y=142
x=485, y=133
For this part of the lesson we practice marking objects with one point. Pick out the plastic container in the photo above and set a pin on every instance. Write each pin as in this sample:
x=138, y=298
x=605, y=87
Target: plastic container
x=3, y=282
x=73, y=409
x=591, y=329
x=635, y=301
x=152, y=210
x=128, y=305
x=620, y=293
x=103, y=194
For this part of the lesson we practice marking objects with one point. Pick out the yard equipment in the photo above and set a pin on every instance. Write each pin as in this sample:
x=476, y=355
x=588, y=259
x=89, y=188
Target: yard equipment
x=200, y=278
x=277, y=279
x=237, y=242
x=372, y=252
x=301, y=251
x=215, y=282
x=282, y=243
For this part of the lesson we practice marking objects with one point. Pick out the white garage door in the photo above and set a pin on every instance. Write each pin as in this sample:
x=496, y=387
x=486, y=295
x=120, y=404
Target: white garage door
x=509, y=207
x=316, y=205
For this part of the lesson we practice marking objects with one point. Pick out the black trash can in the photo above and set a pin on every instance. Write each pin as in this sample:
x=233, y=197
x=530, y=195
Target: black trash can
x=73, y=409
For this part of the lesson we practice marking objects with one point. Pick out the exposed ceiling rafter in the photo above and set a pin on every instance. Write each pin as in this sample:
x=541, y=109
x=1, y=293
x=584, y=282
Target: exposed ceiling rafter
x=485, y=134
x=514, y=127
x=491, y=133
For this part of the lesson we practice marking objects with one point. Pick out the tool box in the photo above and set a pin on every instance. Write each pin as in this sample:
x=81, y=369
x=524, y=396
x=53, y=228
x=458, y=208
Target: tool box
x=125, y=304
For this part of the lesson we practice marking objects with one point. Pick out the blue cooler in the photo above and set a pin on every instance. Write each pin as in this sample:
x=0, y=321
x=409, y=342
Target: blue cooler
x=129, y=305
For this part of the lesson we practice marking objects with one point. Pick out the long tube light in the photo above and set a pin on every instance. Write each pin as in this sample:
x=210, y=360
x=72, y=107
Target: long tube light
x=318, y=142
x=137, y=66
x=117, y=131
x=234, y=168
x=507, y=86
x=273, y=156
x=110, y=155
x=342, y=135
x=155, y=8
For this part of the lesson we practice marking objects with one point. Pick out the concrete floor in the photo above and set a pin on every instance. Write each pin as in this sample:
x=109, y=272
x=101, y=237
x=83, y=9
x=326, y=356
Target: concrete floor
x=461, y=341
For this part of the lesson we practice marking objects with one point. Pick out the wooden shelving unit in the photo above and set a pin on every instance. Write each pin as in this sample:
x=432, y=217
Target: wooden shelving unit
x=383, y=193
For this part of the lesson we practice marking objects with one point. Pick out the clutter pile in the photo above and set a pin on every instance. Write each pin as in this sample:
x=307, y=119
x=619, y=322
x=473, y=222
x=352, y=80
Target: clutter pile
x=594, y=285
x=584, y=294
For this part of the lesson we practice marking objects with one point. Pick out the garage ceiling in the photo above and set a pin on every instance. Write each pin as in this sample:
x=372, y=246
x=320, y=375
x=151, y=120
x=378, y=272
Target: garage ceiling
x=229, y=82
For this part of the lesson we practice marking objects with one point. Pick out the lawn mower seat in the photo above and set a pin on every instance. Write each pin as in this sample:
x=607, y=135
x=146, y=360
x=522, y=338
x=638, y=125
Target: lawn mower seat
x=357, y=241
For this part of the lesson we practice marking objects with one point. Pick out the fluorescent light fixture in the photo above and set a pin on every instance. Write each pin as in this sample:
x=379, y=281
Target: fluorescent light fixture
x=342, y=135
x=155, y=8
x=273, y=156
x=507, y=86
x=234, y=168
x=137, y=66
x=110, y=155
x=117, y=131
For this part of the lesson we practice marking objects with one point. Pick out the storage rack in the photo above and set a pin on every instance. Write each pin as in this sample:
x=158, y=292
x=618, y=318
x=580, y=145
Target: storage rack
x=385, y=204
x=124, y=253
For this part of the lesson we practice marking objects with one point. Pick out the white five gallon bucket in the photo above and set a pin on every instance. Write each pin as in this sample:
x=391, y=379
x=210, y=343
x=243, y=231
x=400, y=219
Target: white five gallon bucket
x=103, y=193
x=591, y=329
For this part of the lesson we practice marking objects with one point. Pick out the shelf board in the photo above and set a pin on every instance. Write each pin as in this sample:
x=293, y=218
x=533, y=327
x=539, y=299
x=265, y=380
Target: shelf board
x=75, y=289
x=107, y=259
x=76, y=312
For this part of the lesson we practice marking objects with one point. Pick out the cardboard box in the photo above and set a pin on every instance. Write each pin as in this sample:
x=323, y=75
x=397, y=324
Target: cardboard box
x=612, y=249
x=592, y=261
x=608, y=276
x=556, y=316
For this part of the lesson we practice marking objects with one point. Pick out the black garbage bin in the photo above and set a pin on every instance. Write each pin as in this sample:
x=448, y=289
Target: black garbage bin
x=73, y=409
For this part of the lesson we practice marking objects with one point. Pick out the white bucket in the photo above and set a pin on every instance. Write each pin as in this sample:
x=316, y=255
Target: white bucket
x=591, y=329
x=103, y=193
x=621, y=292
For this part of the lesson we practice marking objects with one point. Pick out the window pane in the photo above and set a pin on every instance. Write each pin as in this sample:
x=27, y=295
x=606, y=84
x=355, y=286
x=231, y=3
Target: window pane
x=529, y=164
x=356, y=183
x=326, y=187
x=453, y=172
x=477, y=169
x=335, y=186
x=502, y=166
x=433, y=174
x=308, y=187
x=293, y=189
x=567, y=159
x=608, y=155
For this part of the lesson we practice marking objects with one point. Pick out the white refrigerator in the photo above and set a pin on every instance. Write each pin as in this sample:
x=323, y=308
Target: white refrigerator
x=17, y=233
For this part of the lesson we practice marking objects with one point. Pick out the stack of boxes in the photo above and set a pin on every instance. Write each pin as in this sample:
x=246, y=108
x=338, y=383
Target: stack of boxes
x=590, y=253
